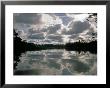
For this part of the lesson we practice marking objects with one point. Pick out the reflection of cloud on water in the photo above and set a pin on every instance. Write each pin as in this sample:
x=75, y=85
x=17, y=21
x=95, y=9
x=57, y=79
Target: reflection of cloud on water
x=75, y=66
x=58, y=62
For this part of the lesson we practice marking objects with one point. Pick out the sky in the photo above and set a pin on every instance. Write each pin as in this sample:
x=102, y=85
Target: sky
x=54, y=28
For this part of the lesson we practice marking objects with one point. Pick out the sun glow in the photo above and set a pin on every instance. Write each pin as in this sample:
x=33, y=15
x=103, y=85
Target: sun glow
x=49, y=20
x=66, y=38
x=81, y=17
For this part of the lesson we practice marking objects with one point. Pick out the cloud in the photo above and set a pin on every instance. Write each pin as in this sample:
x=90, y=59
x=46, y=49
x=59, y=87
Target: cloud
x=73, y=36
x=65, y=19
x=36, y=36
x=21, y=26
x=81, y=30
x=27, y=18
x=56, y=38
x=78, y=26
x=50, y=19
x=78, y=17
x=32, y=31
x=54, y=29
x=47, y=41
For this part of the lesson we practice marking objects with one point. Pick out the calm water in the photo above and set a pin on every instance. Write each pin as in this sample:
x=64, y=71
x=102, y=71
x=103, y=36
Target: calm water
x=56, y=62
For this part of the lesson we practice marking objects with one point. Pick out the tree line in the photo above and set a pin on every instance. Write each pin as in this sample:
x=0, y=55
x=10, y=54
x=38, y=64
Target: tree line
x=22, y=46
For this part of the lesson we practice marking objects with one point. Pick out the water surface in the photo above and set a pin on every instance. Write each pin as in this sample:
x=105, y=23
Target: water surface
x=56, y=62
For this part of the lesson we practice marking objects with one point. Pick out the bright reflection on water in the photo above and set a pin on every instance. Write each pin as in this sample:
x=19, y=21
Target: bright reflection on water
x=57, y=62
